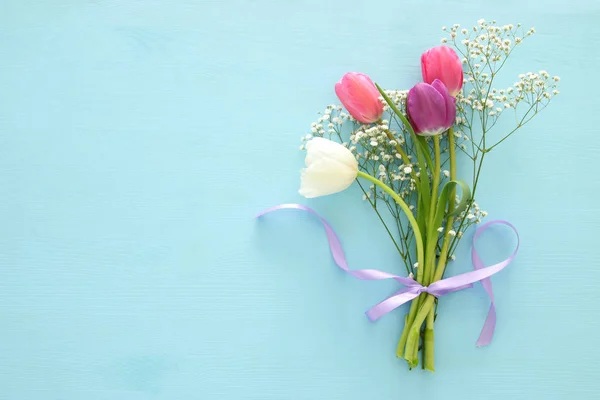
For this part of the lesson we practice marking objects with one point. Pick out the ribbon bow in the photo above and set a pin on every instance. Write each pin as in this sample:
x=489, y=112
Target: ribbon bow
x=412, y=288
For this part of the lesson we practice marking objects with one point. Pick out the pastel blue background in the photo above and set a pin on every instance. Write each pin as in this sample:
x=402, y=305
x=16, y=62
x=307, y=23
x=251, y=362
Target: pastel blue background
x=139, y=138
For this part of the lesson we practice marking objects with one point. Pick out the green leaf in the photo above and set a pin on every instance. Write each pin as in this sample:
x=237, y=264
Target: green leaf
x=440, y=212
x=421, y=141
x=423, y=156
x=395, y=109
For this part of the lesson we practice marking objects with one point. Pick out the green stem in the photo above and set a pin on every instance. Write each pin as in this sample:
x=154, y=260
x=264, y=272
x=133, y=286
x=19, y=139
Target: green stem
x=424, y=198
x=419, y=245
x=439, y=273
x=412, y=342
x=428, y=343
x=432, y=240
x=426, y=311
x=431, y=229
x=412, y=313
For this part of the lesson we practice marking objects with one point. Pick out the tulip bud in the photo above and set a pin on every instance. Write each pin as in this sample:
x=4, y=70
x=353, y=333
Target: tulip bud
x=430, y=108
x=330, y=168
x=443, y=63
x=360, y=96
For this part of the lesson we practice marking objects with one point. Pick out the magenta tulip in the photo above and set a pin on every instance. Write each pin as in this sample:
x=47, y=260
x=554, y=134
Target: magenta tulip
x=430, y=108
x=359, y=95
x=442, y=63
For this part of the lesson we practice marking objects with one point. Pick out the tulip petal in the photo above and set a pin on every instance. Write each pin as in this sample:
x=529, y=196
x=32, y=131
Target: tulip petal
x=319, y=148
x=330, y=168
x=450, y=109
x=443, y=63
x=427, y=109
x=360, y=97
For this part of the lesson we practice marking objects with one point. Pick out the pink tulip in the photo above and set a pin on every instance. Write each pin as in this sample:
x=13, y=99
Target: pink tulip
x=430, y=108
x=442, y=63
x=359, y=95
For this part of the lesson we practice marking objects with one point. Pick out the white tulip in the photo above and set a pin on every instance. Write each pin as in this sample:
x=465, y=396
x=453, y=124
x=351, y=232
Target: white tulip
x=330, y=168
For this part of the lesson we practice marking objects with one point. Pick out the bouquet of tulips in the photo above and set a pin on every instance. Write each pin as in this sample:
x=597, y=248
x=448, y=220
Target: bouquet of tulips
x=402, y=149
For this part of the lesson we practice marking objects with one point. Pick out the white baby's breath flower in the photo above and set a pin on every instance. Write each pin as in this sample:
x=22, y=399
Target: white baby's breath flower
x=452, y=232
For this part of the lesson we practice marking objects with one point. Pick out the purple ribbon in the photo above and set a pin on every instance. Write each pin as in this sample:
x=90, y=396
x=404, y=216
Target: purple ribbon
x=412, y=288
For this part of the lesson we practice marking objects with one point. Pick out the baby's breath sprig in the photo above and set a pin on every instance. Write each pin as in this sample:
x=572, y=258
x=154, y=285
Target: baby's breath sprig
x=485, y=49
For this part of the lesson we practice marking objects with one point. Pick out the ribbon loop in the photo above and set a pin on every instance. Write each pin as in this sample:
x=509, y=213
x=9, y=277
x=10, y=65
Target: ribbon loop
x=412, y=288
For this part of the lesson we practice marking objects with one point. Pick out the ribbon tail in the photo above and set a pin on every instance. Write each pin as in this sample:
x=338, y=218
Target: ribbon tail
x=487, y=333
x=391, y=303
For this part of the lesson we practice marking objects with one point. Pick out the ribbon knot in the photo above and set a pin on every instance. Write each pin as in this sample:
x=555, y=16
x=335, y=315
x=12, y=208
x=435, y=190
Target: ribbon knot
x=412, y=288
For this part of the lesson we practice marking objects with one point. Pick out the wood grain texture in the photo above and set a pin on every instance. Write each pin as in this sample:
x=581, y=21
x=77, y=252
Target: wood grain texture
x=137, y=141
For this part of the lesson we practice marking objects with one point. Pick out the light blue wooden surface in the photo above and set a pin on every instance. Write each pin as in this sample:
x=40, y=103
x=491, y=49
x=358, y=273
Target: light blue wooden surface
x=139, y=138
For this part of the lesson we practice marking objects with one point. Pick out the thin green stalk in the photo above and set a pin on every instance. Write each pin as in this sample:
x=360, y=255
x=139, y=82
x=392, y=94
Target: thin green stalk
x=422, y=155
x=475, y=181
x=382, y=221
x=403, y=154
x=376, y=211
x=404, y=207
x=432, y=230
